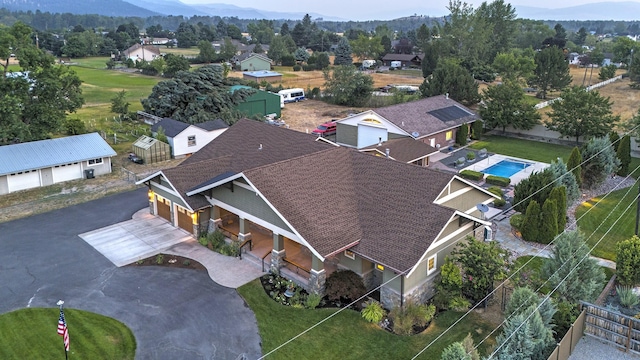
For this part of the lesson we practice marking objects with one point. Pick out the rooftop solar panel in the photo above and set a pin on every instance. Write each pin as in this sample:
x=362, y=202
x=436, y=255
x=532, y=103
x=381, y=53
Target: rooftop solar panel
x=449, y=113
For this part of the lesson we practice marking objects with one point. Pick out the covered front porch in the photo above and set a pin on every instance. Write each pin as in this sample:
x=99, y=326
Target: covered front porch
x=275, y=252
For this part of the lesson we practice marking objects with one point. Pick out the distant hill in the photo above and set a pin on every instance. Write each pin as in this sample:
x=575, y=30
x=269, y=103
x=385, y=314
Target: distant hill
x=169, y=7
x=101, y=7
x=620, y=11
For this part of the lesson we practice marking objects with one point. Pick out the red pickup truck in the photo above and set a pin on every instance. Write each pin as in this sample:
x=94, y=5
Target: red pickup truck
x=326, y=129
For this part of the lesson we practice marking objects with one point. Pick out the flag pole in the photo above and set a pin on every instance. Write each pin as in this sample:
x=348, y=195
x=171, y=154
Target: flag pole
x=64, y=346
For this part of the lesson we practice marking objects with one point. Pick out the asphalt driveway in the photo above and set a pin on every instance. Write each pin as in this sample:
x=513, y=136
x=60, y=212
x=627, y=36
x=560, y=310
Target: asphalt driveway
x=173, y=313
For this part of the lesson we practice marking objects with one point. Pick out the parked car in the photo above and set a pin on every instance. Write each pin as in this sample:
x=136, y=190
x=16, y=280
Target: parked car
x=134, y=158
x=326, y=129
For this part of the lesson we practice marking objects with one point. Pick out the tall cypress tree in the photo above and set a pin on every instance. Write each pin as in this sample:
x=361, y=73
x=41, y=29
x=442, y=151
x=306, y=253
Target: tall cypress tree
x=624, y=154
x=575, y=165
x=559, y=195
x=531, y=222
x=548, y=222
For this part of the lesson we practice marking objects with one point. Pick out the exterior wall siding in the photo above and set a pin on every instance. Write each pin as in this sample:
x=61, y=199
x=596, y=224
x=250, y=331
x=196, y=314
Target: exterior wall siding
x=4, y=185
x=467, y=201
x=161, y=192
x=248, y=202
x=347, y=134
x=47, y=176
x=181, y=141
x=441, y=138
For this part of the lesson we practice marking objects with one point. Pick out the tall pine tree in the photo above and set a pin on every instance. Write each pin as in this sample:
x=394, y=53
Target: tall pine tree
x=575, y=165
x=624, y=155
x=548, y=222
x=343, y=53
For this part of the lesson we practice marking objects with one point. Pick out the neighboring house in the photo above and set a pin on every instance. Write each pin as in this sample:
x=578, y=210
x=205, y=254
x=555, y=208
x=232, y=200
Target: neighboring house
x=407, y=60
x=46, y=162
x=406, y=150
x=310, y=208
x=138, y=53
x=156, y=41
x=255, y=62
x=433, y=120
x=259, y=103
x=263, y=75
x=186, y=139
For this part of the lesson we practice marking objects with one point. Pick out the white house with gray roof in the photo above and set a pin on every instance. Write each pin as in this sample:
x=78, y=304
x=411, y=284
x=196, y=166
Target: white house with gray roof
x=186, y=139
x=46, y=162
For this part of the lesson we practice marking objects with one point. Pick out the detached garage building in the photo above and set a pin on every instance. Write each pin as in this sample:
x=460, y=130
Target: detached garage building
x=46, y=162
x=260, y=103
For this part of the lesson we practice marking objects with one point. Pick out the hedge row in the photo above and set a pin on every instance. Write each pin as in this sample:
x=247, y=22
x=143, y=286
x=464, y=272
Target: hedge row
x=471, y=175
x=498, y=180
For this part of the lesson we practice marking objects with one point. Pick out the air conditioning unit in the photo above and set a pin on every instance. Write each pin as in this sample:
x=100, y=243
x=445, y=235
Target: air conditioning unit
x=488, y=233
x=438, y=146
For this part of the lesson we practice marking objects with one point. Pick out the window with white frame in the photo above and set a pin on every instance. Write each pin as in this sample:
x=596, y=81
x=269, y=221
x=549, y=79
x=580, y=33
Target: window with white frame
x=350, y=254
x=431, y=265
x=95, y=161
x=191, y=140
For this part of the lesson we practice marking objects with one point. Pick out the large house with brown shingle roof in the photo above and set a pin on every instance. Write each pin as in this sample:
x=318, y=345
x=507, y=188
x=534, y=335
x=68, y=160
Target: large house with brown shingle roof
x=433, y=120
x=307, y=208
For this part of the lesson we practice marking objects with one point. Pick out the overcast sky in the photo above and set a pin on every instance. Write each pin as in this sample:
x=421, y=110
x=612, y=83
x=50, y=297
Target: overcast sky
x=380, y=9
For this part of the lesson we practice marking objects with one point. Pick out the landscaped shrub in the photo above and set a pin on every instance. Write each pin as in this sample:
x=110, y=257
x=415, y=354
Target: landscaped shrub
x=405, y=318
x=471, y=175
x=307, y=67
x=297, y=67
x=498, y=180
x=559, y=195
x=373, y=311
x=471, y=156
x=203, y=240
x=535, y=187
x=574, y=165
x=344, y=285
x=624, y=155
x=462, y=135
x=516, y=221
x=497, y=191
x=288, y=60
x=459, y=303
x=313, y=300
x=626, y=296
x=600, y=161
x=159, y=259
x=628, y=261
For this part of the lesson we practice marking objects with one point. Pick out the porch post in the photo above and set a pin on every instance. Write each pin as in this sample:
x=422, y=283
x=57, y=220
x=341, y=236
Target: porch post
x=243, y=232
x=317, y=276
x=215, y=219
x=278, y=253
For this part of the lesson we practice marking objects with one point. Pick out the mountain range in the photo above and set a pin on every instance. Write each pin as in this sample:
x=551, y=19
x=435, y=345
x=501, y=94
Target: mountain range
x=145, y=8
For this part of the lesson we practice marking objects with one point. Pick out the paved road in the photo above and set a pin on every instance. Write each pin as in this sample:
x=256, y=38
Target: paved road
x=173, y=313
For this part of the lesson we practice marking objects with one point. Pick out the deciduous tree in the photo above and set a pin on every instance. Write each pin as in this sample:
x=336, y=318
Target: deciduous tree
x=347, y=86
x=119, y=104
x=451, y=78
x=582, y=113
x=505, y=105
x=551, y=72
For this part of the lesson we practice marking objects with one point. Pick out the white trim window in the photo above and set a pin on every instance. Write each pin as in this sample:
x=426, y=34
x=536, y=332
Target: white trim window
x=431, y=264
x=349, y=254
x=191, y=140
x=94, y=162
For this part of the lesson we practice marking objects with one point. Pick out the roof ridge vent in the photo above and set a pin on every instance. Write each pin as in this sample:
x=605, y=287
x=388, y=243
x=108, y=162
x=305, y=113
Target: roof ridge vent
x=260, y=147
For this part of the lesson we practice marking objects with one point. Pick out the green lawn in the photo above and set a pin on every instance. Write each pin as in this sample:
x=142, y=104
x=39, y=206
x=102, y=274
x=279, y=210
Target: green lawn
x=623, y=229
x=526, y=149
x=31, y=334
x=347, y=335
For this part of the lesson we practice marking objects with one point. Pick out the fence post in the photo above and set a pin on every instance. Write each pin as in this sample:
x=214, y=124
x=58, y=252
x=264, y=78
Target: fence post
x=629, y=335
x=571, y=339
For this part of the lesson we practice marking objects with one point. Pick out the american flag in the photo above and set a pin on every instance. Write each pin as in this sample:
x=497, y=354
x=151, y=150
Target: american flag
x=62, y=330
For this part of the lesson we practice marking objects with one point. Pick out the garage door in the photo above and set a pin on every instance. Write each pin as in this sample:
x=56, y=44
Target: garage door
x=164, y=208
x=67, y=172
x=23, y=180
x=184, y=219
x=370, y=135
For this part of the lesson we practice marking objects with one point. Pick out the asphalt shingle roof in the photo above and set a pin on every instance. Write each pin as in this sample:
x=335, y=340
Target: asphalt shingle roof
x=47, y=153
x=173, y=127
x=404, y=149
x=415, y=117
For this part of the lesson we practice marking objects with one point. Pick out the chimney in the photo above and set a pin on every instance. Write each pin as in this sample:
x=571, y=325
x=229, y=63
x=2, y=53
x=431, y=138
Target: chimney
x=260, y=147
x=446, y=95
x=386, y=151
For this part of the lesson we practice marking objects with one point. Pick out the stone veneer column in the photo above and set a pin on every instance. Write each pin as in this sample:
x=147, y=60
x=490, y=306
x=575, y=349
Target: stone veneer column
x=243, y=232
x=277, y=254
x=152, y=201
x=317, y=276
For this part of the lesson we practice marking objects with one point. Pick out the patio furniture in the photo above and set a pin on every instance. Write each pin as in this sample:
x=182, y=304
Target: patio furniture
x=482, y=153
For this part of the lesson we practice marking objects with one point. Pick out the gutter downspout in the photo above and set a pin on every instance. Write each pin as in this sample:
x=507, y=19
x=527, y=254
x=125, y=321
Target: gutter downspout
x=402, y=291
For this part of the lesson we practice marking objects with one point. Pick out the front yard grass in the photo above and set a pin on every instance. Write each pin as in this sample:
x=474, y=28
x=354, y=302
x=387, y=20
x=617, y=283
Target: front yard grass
x=31, y=334
x=347, y=335
x=525, y=149
x=622, y=230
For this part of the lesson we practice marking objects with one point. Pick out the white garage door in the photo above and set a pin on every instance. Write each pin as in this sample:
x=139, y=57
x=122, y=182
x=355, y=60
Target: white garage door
x=25, y=180
x=67, y=172
x=369, y=135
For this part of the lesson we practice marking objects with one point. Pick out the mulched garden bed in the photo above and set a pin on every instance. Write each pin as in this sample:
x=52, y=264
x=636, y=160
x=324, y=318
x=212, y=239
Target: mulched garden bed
x=172, y=261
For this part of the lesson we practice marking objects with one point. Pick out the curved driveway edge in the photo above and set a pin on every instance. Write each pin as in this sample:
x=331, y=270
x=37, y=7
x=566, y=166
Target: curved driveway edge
x=173, y=313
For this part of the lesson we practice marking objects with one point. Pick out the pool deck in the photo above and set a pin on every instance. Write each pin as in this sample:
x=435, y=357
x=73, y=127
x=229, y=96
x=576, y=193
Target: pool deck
x=515, y=178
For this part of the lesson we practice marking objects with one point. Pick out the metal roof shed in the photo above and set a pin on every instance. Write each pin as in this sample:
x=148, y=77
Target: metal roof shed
x=151, y=150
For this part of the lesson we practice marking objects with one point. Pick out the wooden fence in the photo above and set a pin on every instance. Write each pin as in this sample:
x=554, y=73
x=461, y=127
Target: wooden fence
x=613, y=328
x=565, y=347
x=594, y=86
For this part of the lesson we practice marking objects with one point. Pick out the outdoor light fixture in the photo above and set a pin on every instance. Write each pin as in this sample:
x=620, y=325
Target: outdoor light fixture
x=150, y=194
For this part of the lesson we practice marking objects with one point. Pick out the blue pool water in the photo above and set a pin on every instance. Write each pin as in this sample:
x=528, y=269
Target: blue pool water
x=505, y=168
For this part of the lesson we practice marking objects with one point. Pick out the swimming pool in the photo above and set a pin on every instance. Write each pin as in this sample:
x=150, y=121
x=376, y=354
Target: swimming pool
x=506, y=168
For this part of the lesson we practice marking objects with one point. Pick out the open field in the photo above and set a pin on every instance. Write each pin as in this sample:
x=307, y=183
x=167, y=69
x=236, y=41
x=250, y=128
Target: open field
x=30, y=334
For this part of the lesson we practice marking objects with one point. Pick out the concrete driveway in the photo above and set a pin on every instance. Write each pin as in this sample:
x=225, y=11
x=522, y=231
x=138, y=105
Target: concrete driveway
x=173, y=313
